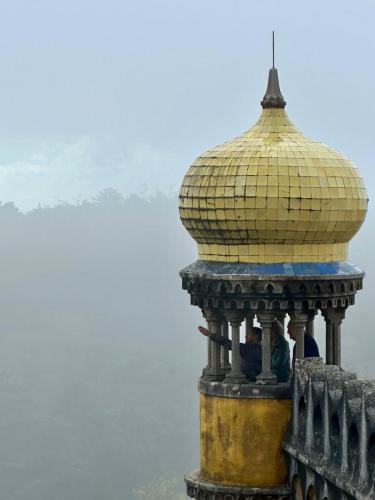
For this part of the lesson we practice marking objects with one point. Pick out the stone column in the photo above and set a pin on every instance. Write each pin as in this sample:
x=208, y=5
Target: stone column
x=310, y=323
x=329, y=339
x=266, y=376
x=235, y=376
x=214, y=371
x=207, y=368
x=224, y=351
x=280, y=316
x=333, y=318
x=299, y=320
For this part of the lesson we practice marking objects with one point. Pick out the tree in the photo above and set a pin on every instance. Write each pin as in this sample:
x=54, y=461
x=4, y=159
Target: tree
x=162, y=489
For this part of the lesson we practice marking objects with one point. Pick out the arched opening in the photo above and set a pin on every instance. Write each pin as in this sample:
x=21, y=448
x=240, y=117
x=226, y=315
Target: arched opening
x=342, y=288
x=317, y=289
x=238, y=289
x=286, y=290
x=276, y=305
x=290, y=305
x=335, y=434
x=270, y=288
x=371, y=455
x=261, y=305
x=301, y=405
x=233, y=304
x=318, y=304
x=318, y=428
x=311, y=495
x=331, y=288
x=302, y=289
x=222, y=288
x=301, y=417
x=297, y=493
x=353, y=447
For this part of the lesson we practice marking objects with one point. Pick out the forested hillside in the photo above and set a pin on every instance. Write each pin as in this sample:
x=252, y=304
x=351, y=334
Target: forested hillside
x=99, y=354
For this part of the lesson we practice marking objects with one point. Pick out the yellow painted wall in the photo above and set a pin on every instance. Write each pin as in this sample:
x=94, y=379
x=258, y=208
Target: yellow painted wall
x=241, y=440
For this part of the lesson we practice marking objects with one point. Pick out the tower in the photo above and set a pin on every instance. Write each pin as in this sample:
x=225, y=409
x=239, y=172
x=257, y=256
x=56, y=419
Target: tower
x=272, y=212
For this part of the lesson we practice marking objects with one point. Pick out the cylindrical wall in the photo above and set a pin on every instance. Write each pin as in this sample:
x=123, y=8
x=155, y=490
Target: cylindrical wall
x=241, y=440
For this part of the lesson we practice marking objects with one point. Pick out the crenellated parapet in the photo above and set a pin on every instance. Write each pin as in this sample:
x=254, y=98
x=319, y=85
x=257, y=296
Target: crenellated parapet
x=331, y=439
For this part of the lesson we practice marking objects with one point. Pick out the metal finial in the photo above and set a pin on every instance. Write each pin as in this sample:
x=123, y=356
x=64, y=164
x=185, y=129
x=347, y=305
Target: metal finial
x=273, y=97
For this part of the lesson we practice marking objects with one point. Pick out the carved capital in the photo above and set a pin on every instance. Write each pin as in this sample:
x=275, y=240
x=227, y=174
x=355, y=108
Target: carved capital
x=334, y=315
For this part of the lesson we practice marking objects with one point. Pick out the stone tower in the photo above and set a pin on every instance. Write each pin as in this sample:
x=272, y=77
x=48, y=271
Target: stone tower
x=272, y=212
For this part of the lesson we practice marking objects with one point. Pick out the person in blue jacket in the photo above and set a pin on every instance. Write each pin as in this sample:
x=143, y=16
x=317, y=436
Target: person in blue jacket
x=251, y=351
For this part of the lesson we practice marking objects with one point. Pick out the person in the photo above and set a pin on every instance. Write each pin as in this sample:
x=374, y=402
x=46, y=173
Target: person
x=311, y=347
x=280, y=353
x=251, y=351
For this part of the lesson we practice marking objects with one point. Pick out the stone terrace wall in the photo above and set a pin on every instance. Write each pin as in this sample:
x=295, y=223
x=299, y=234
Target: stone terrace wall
x=331, y=440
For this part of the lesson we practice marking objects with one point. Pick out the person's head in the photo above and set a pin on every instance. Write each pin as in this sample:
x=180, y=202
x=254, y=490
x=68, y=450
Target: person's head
x=254, y=335
x=276, y=330
x=292, y=330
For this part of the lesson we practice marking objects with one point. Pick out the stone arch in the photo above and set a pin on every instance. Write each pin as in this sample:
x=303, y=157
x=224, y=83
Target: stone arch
x=318, y=427
x=276, y=305
x=301, y=417
x=290, y=305
x=297, y=492
x=342, y=287
x=261, y=305
x=269, y=288
x=238, y=288
x=353, y=446
x=303, y=289
x=371, y=455
x=223, y=288
x=331, y=288
x=318, y=304
x=335, y=434
x=317, y=289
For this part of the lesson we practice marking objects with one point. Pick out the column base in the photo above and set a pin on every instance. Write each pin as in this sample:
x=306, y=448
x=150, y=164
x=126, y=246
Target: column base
x=267, y=378
x=200, y=489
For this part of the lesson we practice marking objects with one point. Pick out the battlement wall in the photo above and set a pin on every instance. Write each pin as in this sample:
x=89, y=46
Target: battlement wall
x=330, y=443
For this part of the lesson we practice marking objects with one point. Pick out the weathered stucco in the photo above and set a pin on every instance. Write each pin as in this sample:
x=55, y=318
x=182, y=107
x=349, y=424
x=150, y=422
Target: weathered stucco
x=241, y=440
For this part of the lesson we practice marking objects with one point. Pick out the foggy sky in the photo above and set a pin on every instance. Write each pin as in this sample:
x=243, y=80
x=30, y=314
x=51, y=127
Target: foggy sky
x=126, y=94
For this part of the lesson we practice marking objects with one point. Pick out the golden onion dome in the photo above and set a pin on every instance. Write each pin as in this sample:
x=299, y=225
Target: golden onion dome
x=272, y=194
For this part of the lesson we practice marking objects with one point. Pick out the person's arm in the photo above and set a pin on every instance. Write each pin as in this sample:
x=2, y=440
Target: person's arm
x=224, y=341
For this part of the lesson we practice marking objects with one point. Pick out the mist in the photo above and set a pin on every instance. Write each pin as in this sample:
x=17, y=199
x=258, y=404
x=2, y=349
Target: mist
x=104, y=105
x=99, y=350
